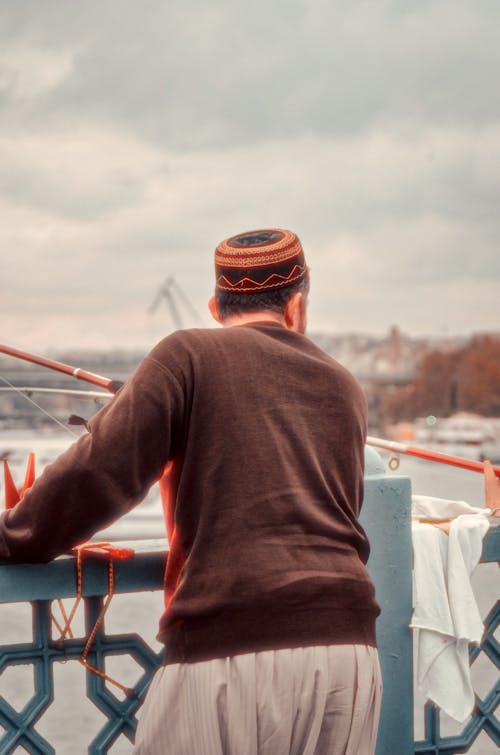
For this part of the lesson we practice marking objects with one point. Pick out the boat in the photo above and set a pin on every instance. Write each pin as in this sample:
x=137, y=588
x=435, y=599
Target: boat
x=462, y=434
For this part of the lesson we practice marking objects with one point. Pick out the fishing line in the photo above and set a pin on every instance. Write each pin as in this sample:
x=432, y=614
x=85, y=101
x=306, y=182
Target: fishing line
x=44, y=411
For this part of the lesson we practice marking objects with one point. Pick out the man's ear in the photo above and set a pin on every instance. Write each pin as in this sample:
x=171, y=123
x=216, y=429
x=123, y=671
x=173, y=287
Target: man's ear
x=212, y=305
x=295, y=312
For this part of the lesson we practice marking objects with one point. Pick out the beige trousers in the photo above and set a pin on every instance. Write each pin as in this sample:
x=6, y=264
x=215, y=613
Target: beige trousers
x=317, y=700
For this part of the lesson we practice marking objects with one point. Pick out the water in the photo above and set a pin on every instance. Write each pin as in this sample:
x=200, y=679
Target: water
x=143, y=523
x=442, y=481
x=73, y=721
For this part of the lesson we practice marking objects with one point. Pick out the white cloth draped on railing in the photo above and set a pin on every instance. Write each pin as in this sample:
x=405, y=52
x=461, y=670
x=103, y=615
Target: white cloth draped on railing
x=445, y=614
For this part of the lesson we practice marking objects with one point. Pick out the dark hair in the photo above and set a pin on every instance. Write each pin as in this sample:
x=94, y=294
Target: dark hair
x=273, y=300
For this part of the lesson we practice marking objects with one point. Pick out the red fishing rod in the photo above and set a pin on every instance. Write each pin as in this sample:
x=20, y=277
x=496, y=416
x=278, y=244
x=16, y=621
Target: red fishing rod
x=11, y=493
x=89, y=377
x=428, y=455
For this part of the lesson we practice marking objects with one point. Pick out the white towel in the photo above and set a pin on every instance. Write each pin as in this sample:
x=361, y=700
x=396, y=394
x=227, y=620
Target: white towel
x=445, y=614
x=428, y=507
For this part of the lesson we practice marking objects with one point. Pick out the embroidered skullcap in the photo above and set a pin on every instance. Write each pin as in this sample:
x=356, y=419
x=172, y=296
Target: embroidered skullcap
x=259, y=261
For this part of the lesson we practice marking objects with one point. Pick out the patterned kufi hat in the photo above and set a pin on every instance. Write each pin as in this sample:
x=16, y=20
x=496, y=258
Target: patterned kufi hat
x=259, y=261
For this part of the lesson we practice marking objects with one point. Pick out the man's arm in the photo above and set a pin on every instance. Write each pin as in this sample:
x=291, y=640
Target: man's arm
x=103, y=475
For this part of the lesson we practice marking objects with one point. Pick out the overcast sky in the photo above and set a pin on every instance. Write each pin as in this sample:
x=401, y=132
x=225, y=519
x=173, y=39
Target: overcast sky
x=135, y=136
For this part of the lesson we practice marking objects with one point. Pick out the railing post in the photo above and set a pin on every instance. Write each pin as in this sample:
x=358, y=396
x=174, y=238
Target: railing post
x=386, y=517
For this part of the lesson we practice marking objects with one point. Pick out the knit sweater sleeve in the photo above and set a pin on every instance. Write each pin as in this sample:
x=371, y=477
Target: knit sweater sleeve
x=101, y=476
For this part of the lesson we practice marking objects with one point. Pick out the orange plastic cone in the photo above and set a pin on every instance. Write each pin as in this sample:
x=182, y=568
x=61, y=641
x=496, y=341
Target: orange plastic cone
x=11, y=492
x=29, y=477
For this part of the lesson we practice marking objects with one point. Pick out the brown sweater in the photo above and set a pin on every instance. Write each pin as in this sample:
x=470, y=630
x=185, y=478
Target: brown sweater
x=267, y=437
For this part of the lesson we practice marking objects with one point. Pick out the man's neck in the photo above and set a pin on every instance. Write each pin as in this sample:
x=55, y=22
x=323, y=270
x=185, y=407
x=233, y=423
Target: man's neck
x=254, y=317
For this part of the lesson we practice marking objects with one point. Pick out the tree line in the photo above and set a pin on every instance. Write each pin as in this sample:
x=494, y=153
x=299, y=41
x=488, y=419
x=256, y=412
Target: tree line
x=462, y=379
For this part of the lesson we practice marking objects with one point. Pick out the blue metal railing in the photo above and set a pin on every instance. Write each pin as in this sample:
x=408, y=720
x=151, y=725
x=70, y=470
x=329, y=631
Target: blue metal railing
x=40, y=585
x=386, y=517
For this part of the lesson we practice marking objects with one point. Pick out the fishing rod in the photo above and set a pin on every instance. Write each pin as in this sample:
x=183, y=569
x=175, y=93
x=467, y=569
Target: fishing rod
x=89, y=377
x=428, y=455
x=29, y=389
x=113, y=385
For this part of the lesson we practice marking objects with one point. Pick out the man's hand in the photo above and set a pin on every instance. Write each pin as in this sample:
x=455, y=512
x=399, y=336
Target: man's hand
x=491, y=489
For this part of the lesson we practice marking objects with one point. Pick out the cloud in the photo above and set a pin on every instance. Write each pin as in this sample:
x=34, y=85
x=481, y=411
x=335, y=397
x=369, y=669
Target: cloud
x=30, y=73
x=196, y=75
x=75, y=172
x=358, y=204
x=134, y=137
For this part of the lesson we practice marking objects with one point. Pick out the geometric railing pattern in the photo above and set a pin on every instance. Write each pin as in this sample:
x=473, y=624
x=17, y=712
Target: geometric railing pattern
x=483, y=718
x=43, y=652
x=144, y=572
